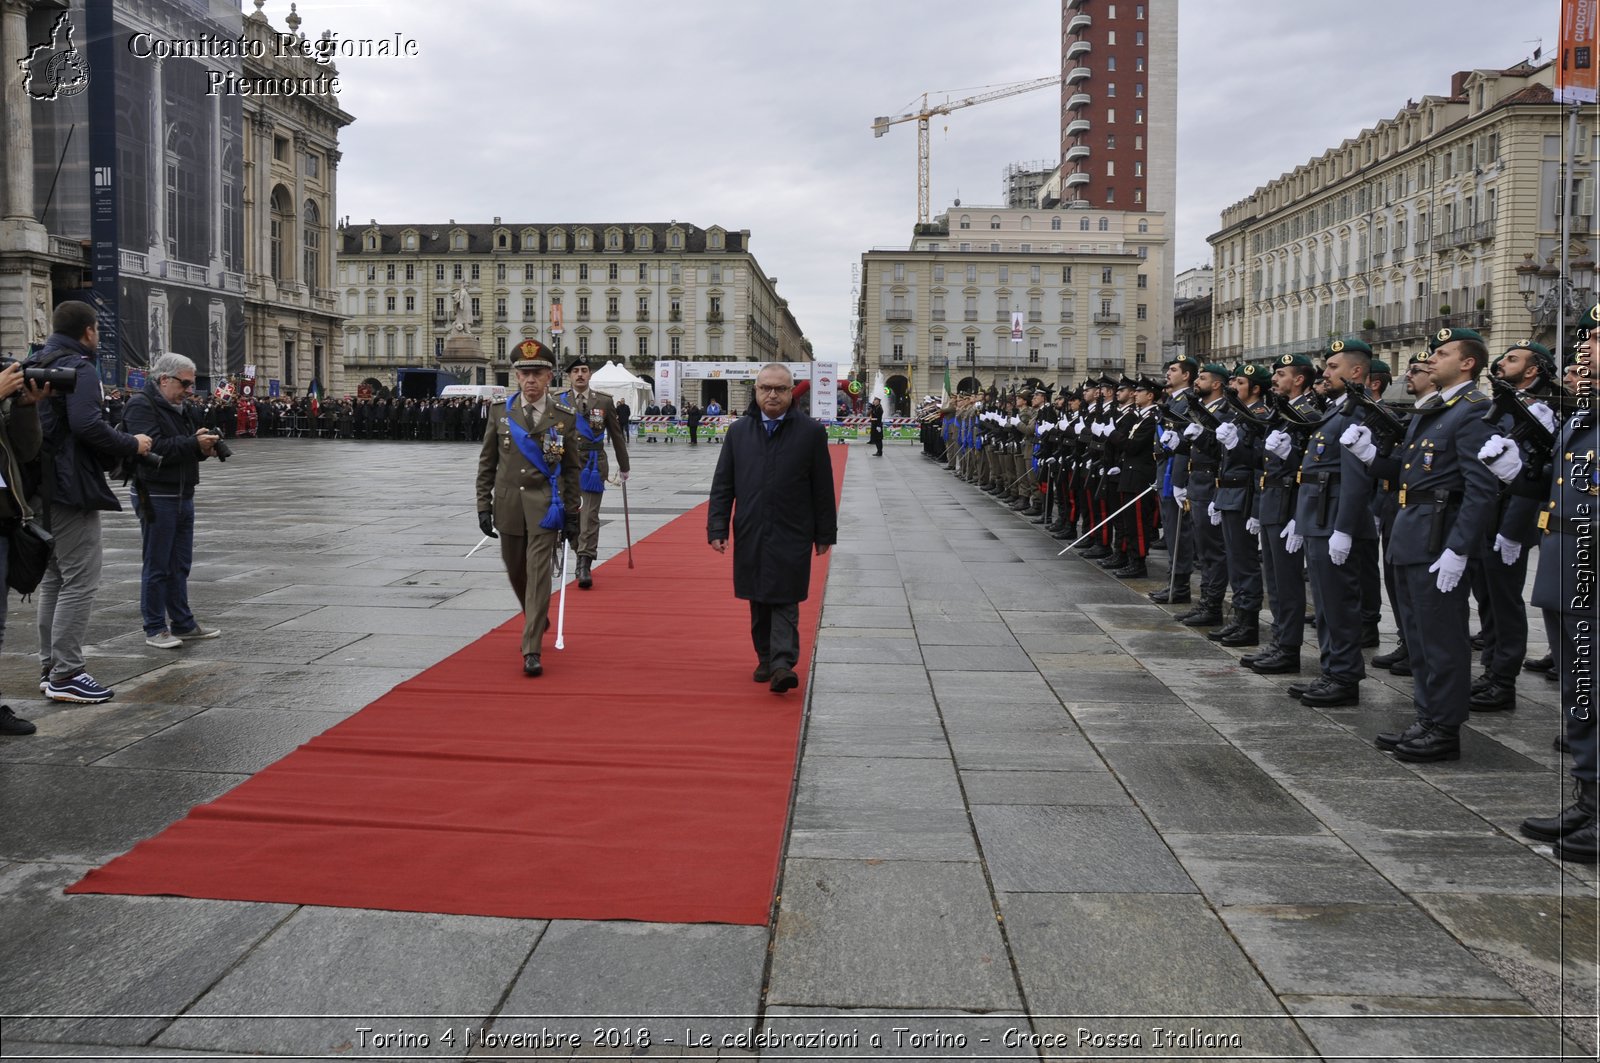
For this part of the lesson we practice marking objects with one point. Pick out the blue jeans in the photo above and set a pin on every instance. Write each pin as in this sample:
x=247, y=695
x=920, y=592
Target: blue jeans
x=168, y=533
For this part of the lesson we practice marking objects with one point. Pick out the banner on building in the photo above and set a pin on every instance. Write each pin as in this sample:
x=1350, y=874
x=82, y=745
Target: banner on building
x=1016, y=326
x=1577, y=73
x=824, y=390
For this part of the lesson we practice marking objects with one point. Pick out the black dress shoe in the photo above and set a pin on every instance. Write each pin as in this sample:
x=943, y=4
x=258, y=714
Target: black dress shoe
x=531, y=665
x=1112, y=562
x=1134, y=569
x=1284, y=661
x=1369, y=636
x=783, y=679
x=1387, y=740
x=1206, y=614
x=1266, y=651
x=762, y=674
x=1401, y=667
x=1437, y=742
x=1498, y=696
x=1310, y=620
x=1582, y=846
x=1243, y=635
x=1547, y=663
x=1385, y=660
x=1063, y=533
x=1181, y=595
x=1481, y=681
x=1570, y=819
x=1097, y=552
x=1298, y=690
x=1331, y=692
x=1224, y=631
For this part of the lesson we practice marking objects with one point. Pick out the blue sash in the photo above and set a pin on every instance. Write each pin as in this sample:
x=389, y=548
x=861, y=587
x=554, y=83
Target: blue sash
x=590, y=479
x=533, y=450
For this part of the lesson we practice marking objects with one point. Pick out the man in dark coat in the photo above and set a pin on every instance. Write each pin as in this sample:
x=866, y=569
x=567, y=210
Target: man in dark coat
x=774, y=479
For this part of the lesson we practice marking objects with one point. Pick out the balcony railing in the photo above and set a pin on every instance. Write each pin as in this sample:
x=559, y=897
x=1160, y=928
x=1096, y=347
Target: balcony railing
x=714, y=317
x=643, y=315
x=1035, y=316
x=192, y=274
x=582, y=315
x=613, y=315
x=61, y=247
x=1075, y=179
x=133, y=262
x=1108, y=319
x=1079, y=23
x=897, y=315
x=938, y=315
x=969, y=315
x=1077, y=74
x=1077, y=100
x=1077, y=151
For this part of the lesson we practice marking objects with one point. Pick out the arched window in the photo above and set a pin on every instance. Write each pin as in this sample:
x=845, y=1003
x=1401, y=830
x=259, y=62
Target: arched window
x=282, y=219
x=1027, y=222
x=1105, y=225
x=311, y=244
x=1055, y=223
x=994, y=221
x=1083, y=224
x=1144, y=225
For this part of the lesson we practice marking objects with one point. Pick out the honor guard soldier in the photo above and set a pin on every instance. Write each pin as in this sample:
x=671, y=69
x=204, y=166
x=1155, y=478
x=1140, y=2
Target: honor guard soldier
x=1498, y=576
x=1447, y=500
x=528, y=488
x=1284, y=570
x=1386, y=505
x=1205, y=463
x=1366, y=556
x=597, y=420
x=1136, y=455
x=1564, y=587
x=1239, y=437
x=1333, y=511
x=1176, y=526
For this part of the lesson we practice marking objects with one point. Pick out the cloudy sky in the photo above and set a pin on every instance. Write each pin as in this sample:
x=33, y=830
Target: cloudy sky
x=757, y=114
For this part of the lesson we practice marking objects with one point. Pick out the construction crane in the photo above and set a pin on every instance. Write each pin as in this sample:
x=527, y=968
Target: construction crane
x=880, y=126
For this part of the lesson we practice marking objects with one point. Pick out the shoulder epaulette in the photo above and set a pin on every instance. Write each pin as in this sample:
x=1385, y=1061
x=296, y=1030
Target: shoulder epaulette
x=564, y=408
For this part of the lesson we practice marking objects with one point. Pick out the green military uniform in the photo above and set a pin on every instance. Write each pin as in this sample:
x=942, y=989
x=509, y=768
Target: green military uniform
x=519, y=496
x=599, y=413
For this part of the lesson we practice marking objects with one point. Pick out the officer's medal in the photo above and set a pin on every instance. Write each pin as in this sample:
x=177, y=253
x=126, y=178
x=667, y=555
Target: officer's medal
x=554, y=444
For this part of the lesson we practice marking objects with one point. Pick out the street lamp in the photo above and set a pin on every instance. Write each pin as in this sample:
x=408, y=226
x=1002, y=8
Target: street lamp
x=1546, y=292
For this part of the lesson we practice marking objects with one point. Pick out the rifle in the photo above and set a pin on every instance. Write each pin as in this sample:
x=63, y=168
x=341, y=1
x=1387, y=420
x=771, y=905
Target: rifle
x=1525, y=427
x=1385, y=424
x=1246, y=418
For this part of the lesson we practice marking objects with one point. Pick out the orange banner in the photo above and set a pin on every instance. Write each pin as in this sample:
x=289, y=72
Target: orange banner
x=1578, y=74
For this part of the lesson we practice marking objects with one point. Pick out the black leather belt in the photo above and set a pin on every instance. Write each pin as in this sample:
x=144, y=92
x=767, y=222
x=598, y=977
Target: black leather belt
x=1278, y=481
x=1202, y=470
x=1551, y=524
x=1324, y=478
x=1426, y=497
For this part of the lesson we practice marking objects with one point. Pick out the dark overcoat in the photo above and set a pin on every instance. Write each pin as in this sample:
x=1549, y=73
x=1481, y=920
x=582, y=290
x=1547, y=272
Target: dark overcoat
x=778, y=492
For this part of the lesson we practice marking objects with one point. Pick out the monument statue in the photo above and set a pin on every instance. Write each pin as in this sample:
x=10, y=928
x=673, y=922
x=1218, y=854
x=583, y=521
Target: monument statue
x=41, y=318
x=462, y=299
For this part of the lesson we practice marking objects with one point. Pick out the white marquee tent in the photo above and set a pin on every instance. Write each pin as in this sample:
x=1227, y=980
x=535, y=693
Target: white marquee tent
x=616, y=381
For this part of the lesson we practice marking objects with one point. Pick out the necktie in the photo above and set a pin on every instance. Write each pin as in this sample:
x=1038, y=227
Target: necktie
x=772, y=426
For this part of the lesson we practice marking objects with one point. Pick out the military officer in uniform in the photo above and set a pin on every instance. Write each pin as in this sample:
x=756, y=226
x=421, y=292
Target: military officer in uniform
x=1283, y=571
x=1176, y=527
x=528, y=488
x=1235, y=501
x=597, y=420
x=1447, y=499
x=1205, y=463
x=1332, y=511
x=1564, y=587
x=1386, y=506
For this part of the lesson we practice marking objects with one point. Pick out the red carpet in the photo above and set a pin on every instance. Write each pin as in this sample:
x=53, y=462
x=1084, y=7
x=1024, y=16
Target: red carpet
x=644, y=776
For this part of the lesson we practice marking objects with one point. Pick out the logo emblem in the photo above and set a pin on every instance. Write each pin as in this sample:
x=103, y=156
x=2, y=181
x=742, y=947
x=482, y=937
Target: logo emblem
x=1444, y=335
x=1336, y=346
x=55, y=69
x=1427, y=462
x=1287, y=359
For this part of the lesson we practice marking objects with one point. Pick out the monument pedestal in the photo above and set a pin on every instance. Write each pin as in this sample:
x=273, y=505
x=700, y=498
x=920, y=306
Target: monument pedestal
x=463, y=357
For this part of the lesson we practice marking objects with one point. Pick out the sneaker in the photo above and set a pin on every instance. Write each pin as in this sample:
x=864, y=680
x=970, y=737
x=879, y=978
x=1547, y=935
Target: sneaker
x=44, y=677
x=200, y=632
x=12, y=724
x=163, y=640
x=80, y=688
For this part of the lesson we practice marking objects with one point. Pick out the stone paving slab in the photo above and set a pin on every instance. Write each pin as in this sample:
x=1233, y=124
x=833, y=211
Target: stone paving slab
x=1435, y=1028
x=1205, y=790
x=1246, y=869
x=1076, y=849
x=239, y=741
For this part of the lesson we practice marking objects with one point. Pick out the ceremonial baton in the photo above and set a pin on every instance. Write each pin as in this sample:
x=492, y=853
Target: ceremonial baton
x=627, y=524
x=1108, y=520
x=561, y=610
x=475, y=549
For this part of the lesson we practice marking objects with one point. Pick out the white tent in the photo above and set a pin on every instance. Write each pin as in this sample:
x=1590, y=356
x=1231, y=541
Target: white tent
x=614, y=380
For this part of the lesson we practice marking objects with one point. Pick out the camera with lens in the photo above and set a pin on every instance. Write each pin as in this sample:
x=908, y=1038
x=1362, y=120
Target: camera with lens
x=221, y=450
x=63, y=380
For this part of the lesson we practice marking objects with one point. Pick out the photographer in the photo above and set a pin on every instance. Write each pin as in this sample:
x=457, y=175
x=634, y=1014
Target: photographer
x=78, y=448
x=163, y=498
x=19, y=444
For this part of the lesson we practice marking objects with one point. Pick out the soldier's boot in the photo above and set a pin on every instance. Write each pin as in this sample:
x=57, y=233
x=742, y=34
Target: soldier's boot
x=1283, y=660
x=1498, y=695
x=585, y=580
x=1181, y=594
x=1113, y=561
x=1134, y=569
x=1388, y=660
x=1207, y=614
x=1247, y=632
x=1569, y=820
x=1229, y=628
x=1063, y=531
x=1581, y=846
x=1439, y=741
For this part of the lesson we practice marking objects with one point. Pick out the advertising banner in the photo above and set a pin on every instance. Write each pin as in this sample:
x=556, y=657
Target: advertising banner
x=825, y=390
x=1577, y=74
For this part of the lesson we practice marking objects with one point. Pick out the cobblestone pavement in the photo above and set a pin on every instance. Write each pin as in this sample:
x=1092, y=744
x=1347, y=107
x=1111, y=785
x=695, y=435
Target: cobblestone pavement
x=1034, y=818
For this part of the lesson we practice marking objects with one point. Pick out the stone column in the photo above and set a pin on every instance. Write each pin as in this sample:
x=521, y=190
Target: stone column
x=18, y=110
x=158, y=161
x=217, y=191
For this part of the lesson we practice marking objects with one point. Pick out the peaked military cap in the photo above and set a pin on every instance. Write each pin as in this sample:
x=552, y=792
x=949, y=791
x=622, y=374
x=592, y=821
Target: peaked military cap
x=1350, y=343
x=1126, y=382
x=1450, y=335
x=1216, y=369
x=1294, y=359
x=1144, y=383
x=531, y=354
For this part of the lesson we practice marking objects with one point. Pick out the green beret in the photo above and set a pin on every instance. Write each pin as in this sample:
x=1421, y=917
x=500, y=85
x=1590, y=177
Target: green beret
x=1450, y=335
x=1418, y=357
x=1216, y=369
x=1294, y=359
x=1185, y=361
x=1380, y=367
x=1591, y=320
x=1252, y=372
x=1350, y=343
x=1529, y=345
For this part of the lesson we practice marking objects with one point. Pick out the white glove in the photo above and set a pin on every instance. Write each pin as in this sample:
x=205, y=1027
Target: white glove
x=1180, y=495
x=1450, y=566
x=1078, y=428
x=1502, y=457
x=1114, y=471
x=1357, y=439
x=1291, y=542
x=1193, y=432
x=1228, y=435
x=1211, y=511
x=1546, y=415
x=1278, y=443
x=1509, y=551
x=624, y=476
x=1041, y=428
x=1169, y=439
x=1252, y=526
x=1339, y=544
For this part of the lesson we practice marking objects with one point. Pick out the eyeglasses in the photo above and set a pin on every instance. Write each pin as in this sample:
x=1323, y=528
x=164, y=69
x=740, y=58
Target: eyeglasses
x=188, y=385
x=1416, y=370
x=774, y=389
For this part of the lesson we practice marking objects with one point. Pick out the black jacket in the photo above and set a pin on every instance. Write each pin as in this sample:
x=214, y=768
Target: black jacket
x=78, y=442
x=778, y=491
x=171, y=431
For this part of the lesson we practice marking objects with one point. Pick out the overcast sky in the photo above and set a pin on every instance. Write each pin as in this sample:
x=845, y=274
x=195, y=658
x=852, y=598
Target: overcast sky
x=757, y=114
